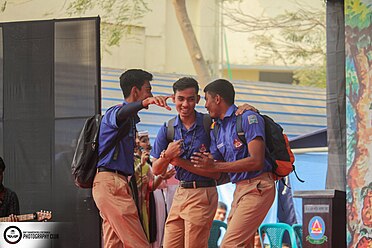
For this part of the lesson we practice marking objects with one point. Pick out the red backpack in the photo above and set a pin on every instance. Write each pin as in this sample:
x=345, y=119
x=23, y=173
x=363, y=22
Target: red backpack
x=277, y=146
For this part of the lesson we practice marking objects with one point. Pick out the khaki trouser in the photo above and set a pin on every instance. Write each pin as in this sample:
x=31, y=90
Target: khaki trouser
x=121, y=225
x=190, y=218
x=252, y=200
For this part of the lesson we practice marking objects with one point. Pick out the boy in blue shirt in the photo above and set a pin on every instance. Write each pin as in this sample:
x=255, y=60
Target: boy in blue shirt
x=247, y=165
x=121, y=226
x=195, y=201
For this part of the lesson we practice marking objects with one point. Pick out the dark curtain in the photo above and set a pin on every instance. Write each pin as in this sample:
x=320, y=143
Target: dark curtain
x=336, y=98
x=50, y=83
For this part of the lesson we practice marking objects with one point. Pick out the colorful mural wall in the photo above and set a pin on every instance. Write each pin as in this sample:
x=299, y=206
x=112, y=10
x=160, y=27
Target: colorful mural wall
x=358, y=49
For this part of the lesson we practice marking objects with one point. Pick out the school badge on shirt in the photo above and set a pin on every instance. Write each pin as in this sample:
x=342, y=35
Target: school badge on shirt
x=252, y=119
x=202, y=148
x=237, y=143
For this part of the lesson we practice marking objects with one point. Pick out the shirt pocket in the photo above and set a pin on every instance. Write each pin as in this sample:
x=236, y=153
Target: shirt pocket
x=222, y=149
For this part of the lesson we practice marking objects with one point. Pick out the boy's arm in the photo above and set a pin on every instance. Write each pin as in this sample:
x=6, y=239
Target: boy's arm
x=160, y=165
x=159, y=179
x=133, y=107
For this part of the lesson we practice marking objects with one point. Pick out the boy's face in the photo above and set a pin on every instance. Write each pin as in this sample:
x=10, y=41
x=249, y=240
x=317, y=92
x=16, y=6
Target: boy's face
x=144, y=92
x=185, y=101
x=144, y=142
x=220, y=214
x=211, y=105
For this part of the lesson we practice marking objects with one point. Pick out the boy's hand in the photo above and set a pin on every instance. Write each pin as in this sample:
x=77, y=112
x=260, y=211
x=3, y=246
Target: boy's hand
x=169, y=173
x=244, y=107
x=161, y=101
x=174, y=149
x=13, y=218
x=202, y=160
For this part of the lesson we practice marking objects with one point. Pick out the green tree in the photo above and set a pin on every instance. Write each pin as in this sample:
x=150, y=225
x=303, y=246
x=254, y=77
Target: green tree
x=296, y=37
x=118, y=17
x=314, y=76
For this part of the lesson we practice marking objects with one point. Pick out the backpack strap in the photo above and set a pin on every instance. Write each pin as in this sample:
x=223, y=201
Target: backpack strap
x=239, y=129
x=170, y=129
x=216, y=128
x=207, y=122
x=224, y=177
x=241, y=135
x=299, y=179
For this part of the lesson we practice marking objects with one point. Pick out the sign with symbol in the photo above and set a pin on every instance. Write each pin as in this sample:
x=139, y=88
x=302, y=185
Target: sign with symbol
x=316, y=230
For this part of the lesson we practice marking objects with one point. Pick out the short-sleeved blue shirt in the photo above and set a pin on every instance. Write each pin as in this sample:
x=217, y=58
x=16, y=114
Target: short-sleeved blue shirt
x=108, y=131
x=195, y=139
x=227, y=146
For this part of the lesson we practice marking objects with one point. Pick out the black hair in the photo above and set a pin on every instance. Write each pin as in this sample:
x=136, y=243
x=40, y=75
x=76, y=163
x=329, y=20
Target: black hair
x=133, y=77
x=185, y=83
x=222, y=205
x=223, y=88
x=2, y=164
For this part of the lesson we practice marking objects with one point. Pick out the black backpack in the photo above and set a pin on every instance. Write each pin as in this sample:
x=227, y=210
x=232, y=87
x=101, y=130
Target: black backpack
x=277, y=146
x=86, y=156
x=207, y=122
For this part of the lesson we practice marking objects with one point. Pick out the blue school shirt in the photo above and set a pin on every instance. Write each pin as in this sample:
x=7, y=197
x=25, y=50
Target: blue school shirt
x=227, y=146
x=195, y=139
x=125, y=160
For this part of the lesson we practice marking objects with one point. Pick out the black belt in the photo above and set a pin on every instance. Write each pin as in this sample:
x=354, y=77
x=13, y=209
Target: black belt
x=197, y=184
x=100, y=169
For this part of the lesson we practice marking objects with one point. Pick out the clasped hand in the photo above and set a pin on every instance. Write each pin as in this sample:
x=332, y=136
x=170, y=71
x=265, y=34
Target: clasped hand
x=202, y=160
x=174, y=149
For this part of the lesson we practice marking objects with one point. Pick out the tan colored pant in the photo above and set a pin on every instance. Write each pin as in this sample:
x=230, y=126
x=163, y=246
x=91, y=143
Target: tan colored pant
x=252, y=200
x=190, y=219
x=121, y=225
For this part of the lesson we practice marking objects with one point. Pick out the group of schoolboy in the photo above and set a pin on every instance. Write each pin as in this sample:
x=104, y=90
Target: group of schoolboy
x=200, y=156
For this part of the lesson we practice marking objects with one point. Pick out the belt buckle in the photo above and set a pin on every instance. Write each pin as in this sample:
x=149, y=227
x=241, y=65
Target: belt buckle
x=194, y=184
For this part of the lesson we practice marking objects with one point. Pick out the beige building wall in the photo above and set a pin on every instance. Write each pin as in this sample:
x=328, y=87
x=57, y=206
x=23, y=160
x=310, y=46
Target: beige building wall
x=159, y=45
x=252, y=75
x=206, y=27
x=156, y=43
x=129, y=54
x=282, y=74
x=155, y=31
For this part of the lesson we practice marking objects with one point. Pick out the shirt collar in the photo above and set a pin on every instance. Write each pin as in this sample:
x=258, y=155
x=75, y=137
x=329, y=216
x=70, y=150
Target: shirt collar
x=230, y=111
x=198, y=121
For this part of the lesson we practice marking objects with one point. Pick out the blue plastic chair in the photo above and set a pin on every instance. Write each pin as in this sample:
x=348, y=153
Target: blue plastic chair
x=215, y=233
x=297, y=228
x=274, y=232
